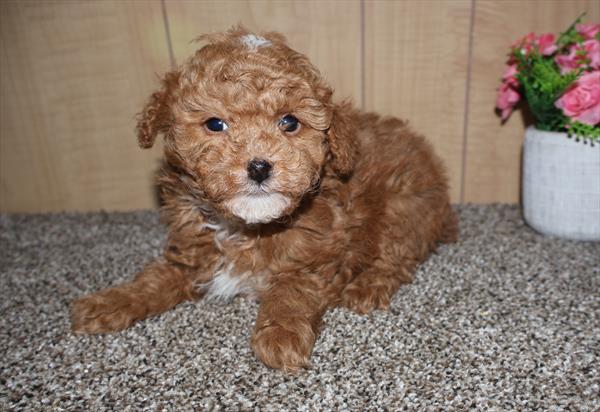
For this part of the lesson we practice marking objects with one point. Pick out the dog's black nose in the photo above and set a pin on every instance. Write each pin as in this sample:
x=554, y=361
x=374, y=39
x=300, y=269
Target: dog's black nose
x=259, y=170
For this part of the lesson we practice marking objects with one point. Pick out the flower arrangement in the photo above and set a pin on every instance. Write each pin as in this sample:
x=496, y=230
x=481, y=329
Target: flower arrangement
x=559, y=78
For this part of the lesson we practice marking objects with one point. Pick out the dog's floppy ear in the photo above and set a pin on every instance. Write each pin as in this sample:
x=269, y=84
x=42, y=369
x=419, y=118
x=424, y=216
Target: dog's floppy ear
x=156, y=116
x=343, y=145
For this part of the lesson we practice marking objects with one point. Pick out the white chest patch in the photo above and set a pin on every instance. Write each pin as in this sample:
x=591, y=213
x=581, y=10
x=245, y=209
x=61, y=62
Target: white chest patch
x=253, y=42
x=225, y=285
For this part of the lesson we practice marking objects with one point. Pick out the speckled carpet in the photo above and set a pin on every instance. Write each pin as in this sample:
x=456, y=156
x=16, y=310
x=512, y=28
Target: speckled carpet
x=506, y=319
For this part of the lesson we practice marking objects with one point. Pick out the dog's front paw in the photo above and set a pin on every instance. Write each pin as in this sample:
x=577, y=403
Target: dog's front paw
x=285, y=349
x=103, y=312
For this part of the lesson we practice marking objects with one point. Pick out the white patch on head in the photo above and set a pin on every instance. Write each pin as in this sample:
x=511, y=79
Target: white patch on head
x=259, y=208
x=253, y=42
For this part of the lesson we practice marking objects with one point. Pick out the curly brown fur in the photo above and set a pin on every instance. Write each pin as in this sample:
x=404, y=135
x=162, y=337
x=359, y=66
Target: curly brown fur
x=351, y=204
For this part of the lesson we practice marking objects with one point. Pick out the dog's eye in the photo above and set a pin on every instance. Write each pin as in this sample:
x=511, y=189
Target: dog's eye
x=288, y=123
x=216, y=125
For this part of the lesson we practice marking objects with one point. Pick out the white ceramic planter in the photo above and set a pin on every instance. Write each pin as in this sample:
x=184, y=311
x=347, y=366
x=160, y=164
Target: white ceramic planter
x=561, y=185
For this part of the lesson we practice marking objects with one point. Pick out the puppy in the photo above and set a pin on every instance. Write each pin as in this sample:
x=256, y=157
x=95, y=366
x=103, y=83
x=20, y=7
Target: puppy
x=272, y=190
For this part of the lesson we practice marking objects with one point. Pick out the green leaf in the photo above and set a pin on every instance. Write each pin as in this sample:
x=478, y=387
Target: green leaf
x=575, y=128
x=543, y=84
x=570, y=35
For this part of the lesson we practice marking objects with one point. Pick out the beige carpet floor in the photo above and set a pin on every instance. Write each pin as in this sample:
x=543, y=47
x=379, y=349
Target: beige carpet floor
x=505, y=319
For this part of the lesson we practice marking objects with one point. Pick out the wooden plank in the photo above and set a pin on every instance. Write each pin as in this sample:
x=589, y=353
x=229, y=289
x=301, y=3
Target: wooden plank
x=327, y=31
x=493, y=151
x=73, y=76
x=416, y=55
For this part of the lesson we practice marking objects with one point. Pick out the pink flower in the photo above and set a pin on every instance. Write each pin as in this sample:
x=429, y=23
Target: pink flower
x=508, y=96
x=568, y=62
x=592, y=50
x=588, y=31
x=509, y=76
x=506, y=99
x=546, y=44
x=584, y=55
x=524, y=42
x=581, y=101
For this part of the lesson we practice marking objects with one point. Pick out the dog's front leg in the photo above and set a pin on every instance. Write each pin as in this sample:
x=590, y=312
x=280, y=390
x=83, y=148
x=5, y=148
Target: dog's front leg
x=157, y=288
x=288, y=320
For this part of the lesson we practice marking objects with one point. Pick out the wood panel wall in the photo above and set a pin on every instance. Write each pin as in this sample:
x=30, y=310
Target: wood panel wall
x=73, y=74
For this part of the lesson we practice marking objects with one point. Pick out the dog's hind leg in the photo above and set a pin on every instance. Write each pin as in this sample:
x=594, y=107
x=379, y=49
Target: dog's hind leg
x=401, y=248
x=159, y=287
x=374, y=288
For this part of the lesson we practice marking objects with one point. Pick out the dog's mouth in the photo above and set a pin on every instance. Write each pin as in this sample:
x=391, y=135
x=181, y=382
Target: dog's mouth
x=258, y=206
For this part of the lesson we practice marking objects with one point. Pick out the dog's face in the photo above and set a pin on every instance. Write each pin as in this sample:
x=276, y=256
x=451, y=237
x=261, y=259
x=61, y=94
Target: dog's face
x=248, y=121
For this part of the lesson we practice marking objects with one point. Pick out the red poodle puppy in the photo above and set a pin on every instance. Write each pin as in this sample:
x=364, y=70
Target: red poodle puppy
x=272, y=190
